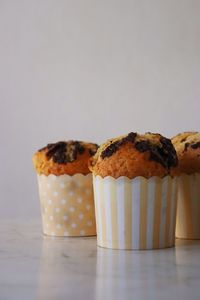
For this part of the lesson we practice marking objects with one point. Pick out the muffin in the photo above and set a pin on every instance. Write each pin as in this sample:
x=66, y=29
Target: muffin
x=135, y=155
x=65, y=188
x=135, y=193
x=187, y=145
x=64, y=158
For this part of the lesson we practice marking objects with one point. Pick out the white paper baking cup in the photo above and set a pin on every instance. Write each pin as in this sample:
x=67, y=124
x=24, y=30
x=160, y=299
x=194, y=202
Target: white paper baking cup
x=135, y=213
x=188, y=207
x=67, y=205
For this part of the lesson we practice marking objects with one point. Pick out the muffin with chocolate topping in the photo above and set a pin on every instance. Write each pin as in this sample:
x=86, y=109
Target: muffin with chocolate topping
x=135, y=192
x=64, y=158
x=135, y=155
x=65, y=188
x=187, y=145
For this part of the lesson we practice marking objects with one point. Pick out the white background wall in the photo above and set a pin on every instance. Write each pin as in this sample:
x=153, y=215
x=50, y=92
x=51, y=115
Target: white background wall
x=90, y=70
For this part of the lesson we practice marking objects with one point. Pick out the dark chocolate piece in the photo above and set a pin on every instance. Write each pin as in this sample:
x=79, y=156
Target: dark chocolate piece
x=165, y=154
x=93, y=150
x=196, y=145
x=64, y=152
x=130, y=137
x=114, y=146
x=143, y=146
x=169, y=152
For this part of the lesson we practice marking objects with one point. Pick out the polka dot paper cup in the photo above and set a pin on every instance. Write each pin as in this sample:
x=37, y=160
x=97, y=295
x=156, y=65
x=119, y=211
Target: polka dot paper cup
x=188, y=210
x=67, y=205
x=135, y=213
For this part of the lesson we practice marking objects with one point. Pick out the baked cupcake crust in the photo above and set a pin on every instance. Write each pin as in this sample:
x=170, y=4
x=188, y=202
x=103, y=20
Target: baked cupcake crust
x=187, y=145
x=64, y=157
x=135, y=155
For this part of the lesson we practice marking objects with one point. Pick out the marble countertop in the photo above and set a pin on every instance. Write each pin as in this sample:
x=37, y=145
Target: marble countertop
x=37, y=267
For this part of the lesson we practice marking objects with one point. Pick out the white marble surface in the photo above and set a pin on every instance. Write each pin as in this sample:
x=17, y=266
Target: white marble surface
x=37, y=267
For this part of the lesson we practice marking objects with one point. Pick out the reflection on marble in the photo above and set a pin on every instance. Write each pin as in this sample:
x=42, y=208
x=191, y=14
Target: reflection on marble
x=37, y=267
x=143, y=274
x=67, y=268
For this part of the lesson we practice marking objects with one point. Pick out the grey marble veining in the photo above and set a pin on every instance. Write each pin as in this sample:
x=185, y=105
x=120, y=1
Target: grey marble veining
x=45, y=268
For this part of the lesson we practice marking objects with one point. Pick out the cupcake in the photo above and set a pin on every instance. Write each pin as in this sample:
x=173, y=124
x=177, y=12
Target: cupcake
x=65, y=188
x=187, y=145
x=135, y=194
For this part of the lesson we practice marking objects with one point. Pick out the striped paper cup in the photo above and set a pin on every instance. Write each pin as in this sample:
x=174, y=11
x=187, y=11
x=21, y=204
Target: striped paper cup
x=135, y=213
x=67, y=205
x=188, y=208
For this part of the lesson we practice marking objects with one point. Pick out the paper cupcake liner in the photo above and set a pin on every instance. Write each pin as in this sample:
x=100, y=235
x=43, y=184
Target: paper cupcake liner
x=188, y=210
x=67, y=205
x=135, y=213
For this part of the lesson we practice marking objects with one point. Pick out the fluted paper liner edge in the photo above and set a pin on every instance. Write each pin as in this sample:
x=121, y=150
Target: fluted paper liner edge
x=67, y=205
x=135, y=213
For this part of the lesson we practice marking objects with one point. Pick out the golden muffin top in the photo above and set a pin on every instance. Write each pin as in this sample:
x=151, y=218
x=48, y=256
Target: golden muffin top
x=64, y=157
x=187, y=145
x=134, y=155
x=185, y=140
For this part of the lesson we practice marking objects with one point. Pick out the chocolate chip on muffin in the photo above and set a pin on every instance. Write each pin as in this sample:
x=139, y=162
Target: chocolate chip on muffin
x=114, y=146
